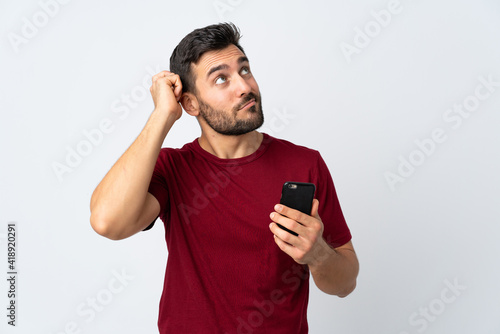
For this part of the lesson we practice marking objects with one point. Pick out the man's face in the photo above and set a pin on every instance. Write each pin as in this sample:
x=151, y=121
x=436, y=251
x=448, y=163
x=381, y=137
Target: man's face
x=228, y=95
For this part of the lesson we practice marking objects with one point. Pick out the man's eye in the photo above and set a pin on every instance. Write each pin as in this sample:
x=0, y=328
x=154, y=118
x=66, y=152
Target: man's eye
x=245, y=70
x=220, y=80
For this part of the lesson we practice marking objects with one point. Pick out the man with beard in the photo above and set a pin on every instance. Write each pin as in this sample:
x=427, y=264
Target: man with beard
x=231, y=268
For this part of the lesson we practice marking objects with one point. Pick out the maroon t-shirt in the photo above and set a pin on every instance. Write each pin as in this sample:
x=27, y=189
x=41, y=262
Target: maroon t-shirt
x=225, y=274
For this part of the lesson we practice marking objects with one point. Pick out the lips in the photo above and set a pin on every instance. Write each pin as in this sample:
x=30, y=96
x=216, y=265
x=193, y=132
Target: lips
x=248, y=104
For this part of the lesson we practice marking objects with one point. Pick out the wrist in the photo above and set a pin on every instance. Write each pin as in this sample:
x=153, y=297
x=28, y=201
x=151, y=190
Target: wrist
x=322, y=255
x=166, y=116
x=158, y=125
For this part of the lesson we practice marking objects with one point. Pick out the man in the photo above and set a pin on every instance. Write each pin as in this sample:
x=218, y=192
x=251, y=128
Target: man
x=231, y=268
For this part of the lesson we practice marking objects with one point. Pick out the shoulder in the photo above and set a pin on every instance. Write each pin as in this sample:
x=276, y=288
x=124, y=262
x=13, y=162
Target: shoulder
x=169, y=157
x=170, y=152
x=285, y=146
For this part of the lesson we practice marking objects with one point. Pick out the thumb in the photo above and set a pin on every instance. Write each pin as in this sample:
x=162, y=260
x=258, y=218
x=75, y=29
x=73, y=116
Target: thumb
x=314, y=210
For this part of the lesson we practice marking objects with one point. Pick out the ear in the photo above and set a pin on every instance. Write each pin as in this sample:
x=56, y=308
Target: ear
x=190, y=104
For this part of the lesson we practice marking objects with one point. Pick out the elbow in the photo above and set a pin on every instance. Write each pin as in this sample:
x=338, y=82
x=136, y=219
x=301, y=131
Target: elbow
x=104, y=227
x=351, y=282
x=346, y=292
x=338, y=291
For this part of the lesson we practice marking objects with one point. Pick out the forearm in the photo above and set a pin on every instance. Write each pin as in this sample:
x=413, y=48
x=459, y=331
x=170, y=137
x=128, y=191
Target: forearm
x=335, y=270
x=119, y=199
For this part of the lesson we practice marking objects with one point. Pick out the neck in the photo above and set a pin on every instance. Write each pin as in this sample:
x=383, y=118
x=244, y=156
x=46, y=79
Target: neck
x=230, y=147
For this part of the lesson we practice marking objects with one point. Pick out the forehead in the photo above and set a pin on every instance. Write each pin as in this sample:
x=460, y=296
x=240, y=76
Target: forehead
x=211, y=59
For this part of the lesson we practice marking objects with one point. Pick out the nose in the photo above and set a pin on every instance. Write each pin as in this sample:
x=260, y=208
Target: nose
x=241, y=86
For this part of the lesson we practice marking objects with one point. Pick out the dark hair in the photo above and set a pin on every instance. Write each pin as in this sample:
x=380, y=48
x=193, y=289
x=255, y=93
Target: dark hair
x=189, y=51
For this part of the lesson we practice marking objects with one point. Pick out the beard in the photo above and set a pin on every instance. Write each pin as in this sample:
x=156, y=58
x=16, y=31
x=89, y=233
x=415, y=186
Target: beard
x=228, y=124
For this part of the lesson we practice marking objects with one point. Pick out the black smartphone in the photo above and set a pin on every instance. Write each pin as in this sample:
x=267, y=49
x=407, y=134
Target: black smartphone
x=298, y=196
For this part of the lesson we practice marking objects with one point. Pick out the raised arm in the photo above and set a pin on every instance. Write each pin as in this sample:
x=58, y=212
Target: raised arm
x=121, y=205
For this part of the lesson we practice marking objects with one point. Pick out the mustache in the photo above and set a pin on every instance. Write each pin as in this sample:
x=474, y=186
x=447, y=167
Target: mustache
x=246, y=99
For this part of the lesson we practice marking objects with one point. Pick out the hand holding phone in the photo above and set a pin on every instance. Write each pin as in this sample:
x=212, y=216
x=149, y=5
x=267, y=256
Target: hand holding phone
x=298, y=196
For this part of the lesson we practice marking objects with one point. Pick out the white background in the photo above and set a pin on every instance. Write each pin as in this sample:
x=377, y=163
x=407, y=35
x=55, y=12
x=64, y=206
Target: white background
x=364, y=112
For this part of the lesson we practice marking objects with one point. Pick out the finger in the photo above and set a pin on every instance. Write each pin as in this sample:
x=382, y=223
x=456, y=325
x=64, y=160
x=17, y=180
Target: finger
x=285, y=247
x=289, y=249
x=283, y=235
x=290, y=224
x=172, y=81
x=314, y=210
x=158, y=84
x=293, y=214
x=161, y=74
x=177, y=84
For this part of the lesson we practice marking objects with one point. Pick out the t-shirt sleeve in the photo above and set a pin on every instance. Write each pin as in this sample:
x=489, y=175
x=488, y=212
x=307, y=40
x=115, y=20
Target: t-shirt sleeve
x=158, y=187
x=336, y=232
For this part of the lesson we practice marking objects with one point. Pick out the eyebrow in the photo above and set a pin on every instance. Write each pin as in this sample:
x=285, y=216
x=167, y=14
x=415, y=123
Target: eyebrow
x=242, y=59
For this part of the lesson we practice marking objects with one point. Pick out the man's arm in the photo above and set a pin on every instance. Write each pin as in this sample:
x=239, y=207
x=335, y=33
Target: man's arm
x=121, y=205
x=334, y=270
x=336, y=273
